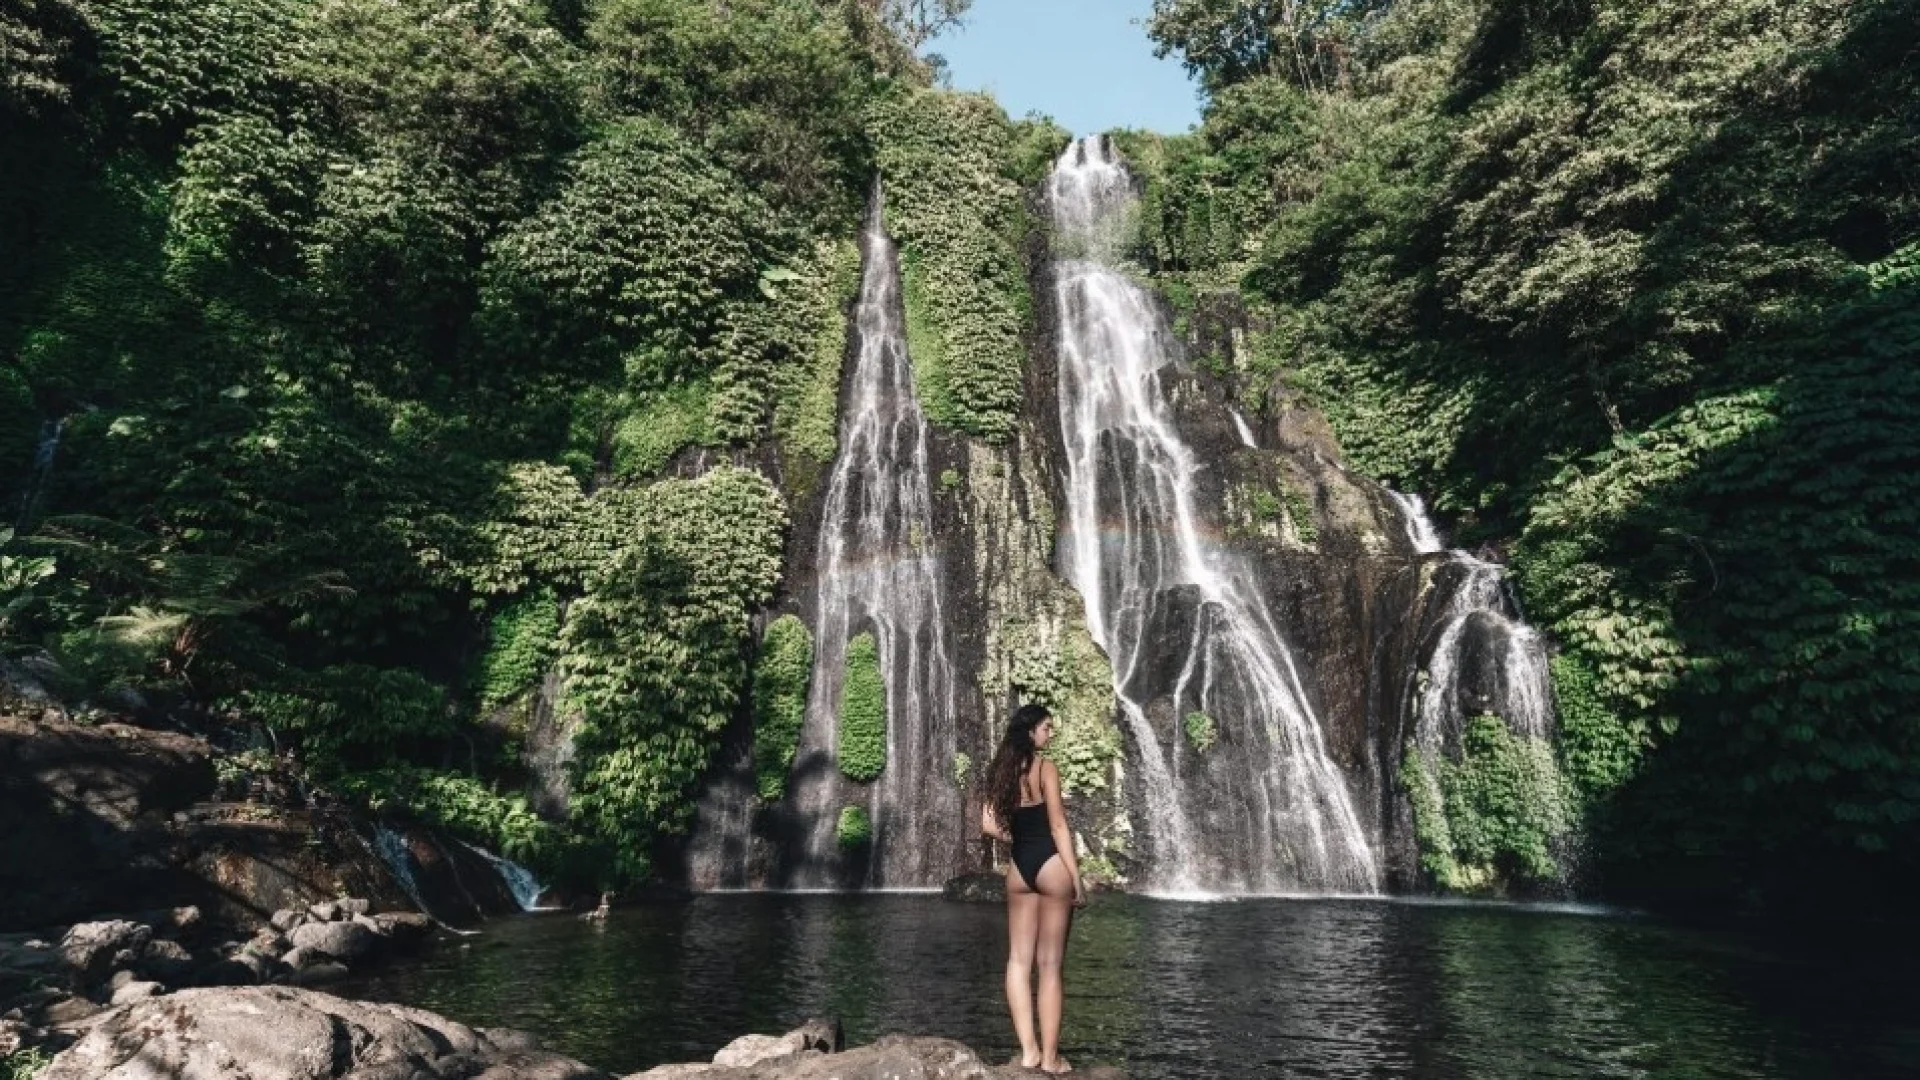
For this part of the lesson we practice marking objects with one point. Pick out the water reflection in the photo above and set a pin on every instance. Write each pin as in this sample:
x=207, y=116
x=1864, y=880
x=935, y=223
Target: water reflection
x=1259, y=988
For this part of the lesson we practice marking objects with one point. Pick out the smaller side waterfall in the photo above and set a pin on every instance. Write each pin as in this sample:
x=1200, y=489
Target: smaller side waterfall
x=44, y=452
x=393, y=850
x=526, y=888
x=1420, y=531
x=1485, y=660
x=1246, y=433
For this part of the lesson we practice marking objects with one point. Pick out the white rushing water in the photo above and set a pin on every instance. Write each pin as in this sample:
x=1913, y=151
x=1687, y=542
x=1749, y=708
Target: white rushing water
x=878, y=571
x=1479, y=615
x=1246, y=433
x=1180, y=617
x=393, y=850
x=521, y=882
x=1420, y=529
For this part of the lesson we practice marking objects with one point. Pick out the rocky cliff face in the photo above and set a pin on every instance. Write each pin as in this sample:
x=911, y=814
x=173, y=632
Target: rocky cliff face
x=1359, y=597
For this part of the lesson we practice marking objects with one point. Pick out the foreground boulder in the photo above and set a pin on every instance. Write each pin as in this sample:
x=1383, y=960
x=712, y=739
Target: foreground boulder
x=805, y=1055
x=237, y=1033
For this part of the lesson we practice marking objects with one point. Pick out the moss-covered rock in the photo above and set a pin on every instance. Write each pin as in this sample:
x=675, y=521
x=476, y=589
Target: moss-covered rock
x=781, y=676
x=863, y=712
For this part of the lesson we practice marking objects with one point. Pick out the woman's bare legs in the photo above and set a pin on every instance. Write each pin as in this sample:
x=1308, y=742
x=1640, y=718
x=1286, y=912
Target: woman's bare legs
x=1023, y=927
x=1055, y=915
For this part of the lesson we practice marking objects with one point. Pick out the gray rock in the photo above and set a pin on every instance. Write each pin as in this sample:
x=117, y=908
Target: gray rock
x=165, y=960
x=295, y=959
x=320, y=974
x=355, y=906
x=325, y=911
x=895, y=1057
x=286, y=919
x=404, y=927
x=136, y=991
x=370, y=923
x=981, y=888
x=750, y=1050
x=340, y=940
x=91, y=949
x=824, y=1035
x=282, y=1032
x=120, y=979
x=241, y=969
x=67, y=1012
x=892, y=1058
x=268, y=942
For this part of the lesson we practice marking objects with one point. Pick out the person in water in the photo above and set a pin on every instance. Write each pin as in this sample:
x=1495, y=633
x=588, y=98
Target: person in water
x=1043, y=884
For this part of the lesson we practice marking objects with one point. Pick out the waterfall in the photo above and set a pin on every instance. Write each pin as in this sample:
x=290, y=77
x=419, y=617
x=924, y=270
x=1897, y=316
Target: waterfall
x=878, y=571
x=1420, y=530
x=393, y=850
x=1480, y=616
x=526, y=888
x=1182, y=618
x=1246, y=433
x=44, y=452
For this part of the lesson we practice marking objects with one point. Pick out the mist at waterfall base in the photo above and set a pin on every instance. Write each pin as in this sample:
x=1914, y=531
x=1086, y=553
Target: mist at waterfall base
x=1256, y=988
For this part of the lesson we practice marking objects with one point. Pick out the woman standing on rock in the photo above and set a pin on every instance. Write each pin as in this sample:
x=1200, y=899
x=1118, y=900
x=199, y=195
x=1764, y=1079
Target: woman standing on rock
x=1043, y=884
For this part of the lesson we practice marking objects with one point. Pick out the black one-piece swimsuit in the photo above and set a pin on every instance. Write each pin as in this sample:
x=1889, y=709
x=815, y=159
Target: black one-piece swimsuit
x=1032, y=842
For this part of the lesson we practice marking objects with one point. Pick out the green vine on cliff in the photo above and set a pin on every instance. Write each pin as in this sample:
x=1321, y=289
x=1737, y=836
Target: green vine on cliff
x=949, y=165
x=1493, y=816
x=520, y=648
x=1200, y=731
x=863, y=712
x=654, y=652
x=854, y=830
x=781, y=676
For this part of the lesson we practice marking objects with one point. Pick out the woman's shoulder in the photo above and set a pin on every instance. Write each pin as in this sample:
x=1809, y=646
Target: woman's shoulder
x=1048, y=770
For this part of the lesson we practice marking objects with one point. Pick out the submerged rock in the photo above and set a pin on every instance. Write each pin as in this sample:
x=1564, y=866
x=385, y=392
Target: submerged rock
x=236, y=1033
x=981, y=888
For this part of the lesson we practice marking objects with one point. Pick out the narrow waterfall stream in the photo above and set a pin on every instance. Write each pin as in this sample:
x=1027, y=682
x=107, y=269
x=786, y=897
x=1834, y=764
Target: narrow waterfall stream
x=878, y=573
x=1265, y=810
x=1515, y=683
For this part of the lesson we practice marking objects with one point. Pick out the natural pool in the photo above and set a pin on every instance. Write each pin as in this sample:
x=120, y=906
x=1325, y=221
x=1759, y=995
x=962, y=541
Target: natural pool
x=1280, y=988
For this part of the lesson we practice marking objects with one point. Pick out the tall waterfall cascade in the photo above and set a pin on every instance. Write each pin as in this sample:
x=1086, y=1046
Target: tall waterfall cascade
x=1182, y=618
x=878, y=572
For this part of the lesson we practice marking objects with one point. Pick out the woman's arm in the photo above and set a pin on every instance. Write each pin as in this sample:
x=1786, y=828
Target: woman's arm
x=1057, y=822
x=990, y=825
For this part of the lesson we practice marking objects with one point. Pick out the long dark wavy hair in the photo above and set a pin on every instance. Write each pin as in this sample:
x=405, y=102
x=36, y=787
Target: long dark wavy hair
x=1012, y=761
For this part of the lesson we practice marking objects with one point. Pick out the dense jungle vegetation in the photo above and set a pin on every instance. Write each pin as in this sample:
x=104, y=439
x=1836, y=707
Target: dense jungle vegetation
x=1631, y=290
x=349, y=347
x=353, y=354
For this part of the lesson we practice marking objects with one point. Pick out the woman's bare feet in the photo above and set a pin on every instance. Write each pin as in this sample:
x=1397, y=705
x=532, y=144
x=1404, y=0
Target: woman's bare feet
x=1061, y=1066
x=1027, y=1061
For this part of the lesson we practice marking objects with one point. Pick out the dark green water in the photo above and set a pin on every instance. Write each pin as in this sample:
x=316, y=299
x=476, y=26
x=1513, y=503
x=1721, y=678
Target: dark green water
x=1266, y=988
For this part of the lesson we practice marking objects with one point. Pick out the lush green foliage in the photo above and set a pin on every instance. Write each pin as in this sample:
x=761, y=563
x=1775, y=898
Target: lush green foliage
x=863, y=712
x=1072, y=678
x=1624, y=288
x=654, y=653
x=463, y=805
x=1200, y=730
x=520, y=648
x=782, y=675
x=352, y=714
x=855, y=828
x=374, y=326
x=1492, y=818
x=954, y=202
x=24, y=1064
